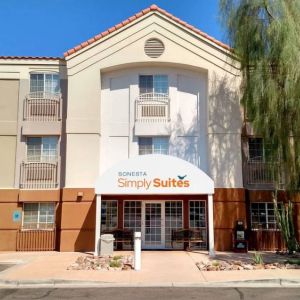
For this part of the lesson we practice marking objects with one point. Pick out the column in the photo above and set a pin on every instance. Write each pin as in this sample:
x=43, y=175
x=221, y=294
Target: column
x=98, y=225
x=211, y=242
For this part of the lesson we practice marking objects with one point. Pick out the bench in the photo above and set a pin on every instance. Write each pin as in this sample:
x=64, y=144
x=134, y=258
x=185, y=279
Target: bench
x=121, y=236
x=190, y=236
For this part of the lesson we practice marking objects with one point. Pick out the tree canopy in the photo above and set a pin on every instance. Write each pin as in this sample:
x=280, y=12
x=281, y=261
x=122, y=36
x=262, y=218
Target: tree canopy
x=265, y=37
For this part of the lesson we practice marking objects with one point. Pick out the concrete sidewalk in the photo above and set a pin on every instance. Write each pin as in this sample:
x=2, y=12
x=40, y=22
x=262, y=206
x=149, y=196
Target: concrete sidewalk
x=159, y=268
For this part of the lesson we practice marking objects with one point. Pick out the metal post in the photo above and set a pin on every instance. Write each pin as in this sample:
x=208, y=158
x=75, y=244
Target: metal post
x=98, y=225
x=137, y=251
x=211, y=226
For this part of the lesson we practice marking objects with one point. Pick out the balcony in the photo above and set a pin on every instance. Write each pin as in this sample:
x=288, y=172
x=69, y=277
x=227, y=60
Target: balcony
x=36, y=240
x=260, y=174
x=152, y=114
x=42, y=107
x=39, y=175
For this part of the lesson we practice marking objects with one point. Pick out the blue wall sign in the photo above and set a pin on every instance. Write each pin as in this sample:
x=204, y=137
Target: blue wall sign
x=16, y=216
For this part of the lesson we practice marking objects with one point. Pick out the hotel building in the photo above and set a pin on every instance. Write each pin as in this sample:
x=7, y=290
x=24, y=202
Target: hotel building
x=139, y=128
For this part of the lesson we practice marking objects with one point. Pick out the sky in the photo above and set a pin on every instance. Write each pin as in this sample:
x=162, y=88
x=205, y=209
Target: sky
x=51, y=27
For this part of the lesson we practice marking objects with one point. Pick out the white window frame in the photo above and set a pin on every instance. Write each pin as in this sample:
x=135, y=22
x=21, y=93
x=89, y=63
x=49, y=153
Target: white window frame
x=205, y=209
x=42, y=159
x=267, y=218
x=130, y=228
x=153, y=76
x=180, y=245
x=203, y=245
x=44, y=80
x=38, y=218
x=110, y=200
x=263, y=156
x=167, y=138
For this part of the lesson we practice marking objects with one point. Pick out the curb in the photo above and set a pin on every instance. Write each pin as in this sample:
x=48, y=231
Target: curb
x=54, y=283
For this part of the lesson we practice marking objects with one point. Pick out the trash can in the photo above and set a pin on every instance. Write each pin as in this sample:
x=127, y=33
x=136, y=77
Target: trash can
x=106, y=244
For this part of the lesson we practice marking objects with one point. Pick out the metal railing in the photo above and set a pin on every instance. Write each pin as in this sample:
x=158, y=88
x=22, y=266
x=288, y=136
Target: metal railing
x=39, y=175
x=262, y=173
x=36, y=240
x=152, y=107
x=42, y=106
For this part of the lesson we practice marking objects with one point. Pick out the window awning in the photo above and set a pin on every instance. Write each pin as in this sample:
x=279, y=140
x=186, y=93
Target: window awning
x=154, y=174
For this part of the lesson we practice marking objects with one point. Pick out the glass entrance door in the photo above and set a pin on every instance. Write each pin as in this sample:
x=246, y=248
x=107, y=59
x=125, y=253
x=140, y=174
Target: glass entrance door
x=153, y=231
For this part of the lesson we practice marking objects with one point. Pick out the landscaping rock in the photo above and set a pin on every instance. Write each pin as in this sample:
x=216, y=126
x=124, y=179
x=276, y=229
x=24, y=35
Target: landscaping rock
x=104, y=263
x=239, y=266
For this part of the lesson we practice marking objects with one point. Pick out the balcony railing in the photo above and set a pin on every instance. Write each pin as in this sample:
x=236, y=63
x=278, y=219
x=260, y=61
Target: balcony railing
x=262, y=173
x=42, y=106
x=152, y=107
x=39, y=175
x=36, y=240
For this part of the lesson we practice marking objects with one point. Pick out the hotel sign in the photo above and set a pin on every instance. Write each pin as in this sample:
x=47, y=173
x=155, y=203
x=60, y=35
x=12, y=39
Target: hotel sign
x=154, y=174
x=140, y=180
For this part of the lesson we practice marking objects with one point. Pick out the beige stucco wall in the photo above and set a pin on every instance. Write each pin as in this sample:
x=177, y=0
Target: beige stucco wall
x=7, y=161
x=9, y=93
x=184, y=50
x=14, y=87
x=9, y=98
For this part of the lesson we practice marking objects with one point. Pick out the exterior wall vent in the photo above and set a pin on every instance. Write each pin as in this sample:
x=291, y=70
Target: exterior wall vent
x=154, y=48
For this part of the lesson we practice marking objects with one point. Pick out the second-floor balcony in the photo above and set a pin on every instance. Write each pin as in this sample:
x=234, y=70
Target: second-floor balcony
x=152, y=114
x=152, y=107
x=260, y=174
x=39, y=175
x=42, y=106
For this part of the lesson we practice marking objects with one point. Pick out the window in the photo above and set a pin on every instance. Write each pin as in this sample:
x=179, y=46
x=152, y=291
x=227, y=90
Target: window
x=39, y=215
x=48, y=83
x=109, y=215
x=133, y=215
x=154, y=84
x=197, y=214
x=263, y=216
x=153, y=145
x=173, y=220
x=42, y=149
x=258, y=150
x=197, y=218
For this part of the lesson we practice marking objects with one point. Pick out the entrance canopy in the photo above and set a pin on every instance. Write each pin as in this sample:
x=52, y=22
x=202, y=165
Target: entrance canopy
x=154, y=174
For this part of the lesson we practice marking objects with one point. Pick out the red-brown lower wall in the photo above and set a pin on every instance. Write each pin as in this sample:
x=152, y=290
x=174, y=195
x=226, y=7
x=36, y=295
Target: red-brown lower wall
x=270, y=240
x=78, y=217
x=229, y=206
x=8, y=228
x=76, y=213
x=11, y=200
x=78, y=234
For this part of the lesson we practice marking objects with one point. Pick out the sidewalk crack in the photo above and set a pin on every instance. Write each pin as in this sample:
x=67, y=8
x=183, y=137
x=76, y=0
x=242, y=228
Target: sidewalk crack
x=241, y=295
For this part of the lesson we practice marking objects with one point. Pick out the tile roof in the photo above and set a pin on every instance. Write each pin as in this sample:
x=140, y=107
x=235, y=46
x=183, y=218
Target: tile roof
x=32, y=57
x=137, y=16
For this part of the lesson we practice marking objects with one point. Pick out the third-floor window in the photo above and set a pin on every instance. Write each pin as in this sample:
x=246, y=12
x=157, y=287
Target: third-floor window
x=154, y=84
x=153, y=145
x=43, y=82
x=259, y=151
x=42, y=149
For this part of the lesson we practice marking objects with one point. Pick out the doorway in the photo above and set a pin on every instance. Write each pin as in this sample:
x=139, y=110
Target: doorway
x=153, y=225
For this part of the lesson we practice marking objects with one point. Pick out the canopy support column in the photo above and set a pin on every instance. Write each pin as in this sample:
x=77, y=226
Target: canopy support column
x=98, y=225
x=211, y=226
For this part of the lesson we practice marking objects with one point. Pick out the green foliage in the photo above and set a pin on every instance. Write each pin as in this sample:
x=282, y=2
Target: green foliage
x=115, y=264
x=284, y=217
x=258, y=259
x=265, y=36
x=215, y=263
x=293, y=261
x=117, y=257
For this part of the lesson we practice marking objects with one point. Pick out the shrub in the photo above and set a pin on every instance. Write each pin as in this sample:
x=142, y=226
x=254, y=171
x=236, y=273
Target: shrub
x=115, y=264
x=117, y=257
x=258, y=259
